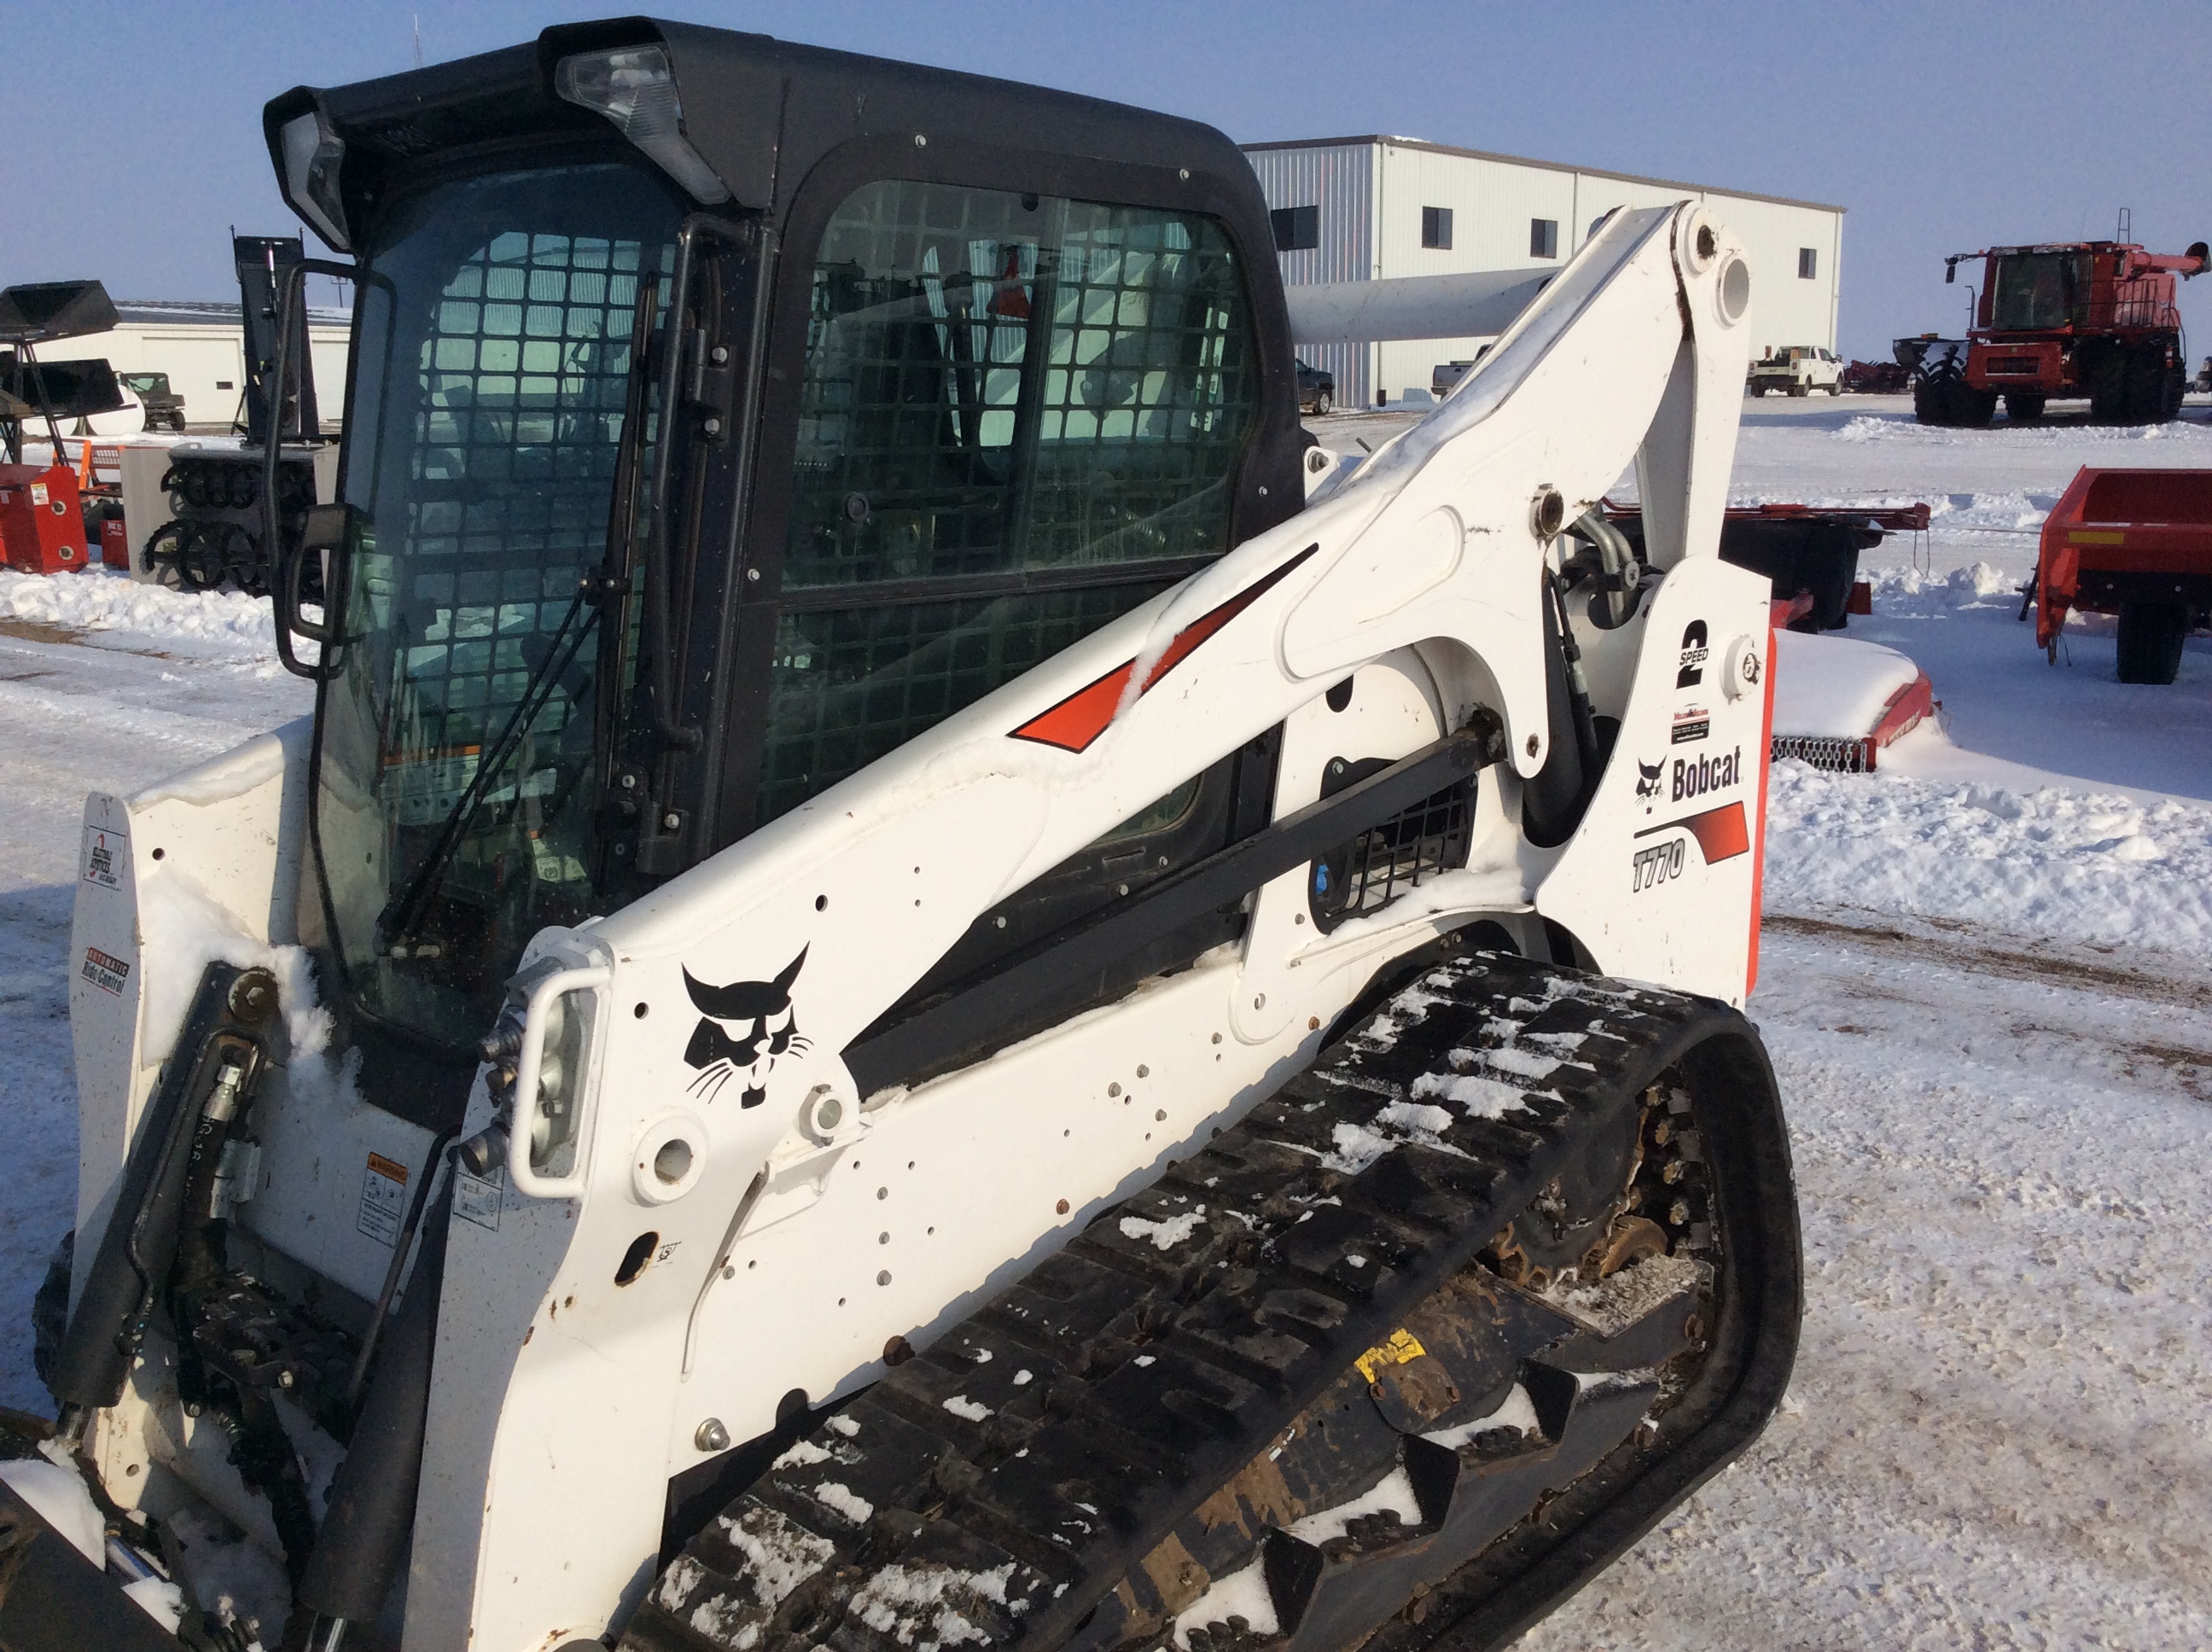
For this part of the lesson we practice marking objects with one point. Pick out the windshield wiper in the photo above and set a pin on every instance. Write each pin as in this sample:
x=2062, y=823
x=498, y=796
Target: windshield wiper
x=396, y=921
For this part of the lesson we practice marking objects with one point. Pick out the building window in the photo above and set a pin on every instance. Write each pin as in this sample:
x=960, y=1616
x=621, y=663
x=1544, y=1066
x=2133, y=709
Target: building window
x=1543, y=238
x=1808, y=263
x=1436, y=228
x=1298, y=229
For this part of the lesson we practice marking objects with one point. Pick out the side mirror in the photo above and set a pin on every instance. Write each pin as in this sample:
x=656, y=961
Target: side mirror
x=1950, y=270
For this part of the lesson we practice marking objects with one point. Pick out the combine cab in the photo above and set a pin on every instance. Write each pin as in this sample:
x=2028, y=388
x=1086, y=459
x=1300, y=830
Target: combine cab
x=2094, y=319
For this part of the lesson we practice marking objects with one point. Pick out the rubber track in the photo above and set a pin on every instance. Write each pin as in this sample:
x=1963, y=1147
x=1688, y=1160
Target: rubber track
x=996, y=1488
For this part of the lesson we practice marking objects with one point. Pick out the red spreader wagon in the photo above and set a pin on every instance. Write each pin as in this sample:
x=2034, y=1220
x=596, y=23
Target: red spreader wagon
x=2137, y=543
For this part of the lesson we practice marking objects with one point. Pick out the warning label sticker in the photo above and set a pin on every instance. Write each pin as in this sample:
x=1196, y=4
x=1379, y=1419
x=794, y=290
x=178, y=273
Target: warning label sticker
x=37, y=493
x=103, y=853
x=104, y=972
x=383, y=1199
x=477, y=1199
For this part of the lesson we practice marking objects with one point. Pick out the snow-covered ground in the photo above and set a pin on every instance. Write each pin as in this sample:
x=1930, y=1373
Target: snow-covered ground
x=1986, y=983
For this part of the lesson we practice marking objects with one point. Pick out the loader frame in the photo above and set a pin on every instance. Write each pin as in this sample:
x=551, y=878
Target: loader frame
x=648, y=1264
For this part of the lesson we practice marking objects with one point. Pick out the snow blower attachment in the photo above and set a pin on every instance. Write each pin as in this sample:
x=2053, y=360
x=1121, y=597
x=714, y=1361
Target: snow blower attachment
x=899, y=996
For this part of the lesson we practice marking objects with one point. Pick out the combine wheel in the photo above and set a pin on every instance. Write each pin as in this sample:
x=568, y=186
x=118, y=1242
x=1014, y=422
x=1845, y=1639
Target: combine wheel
x=2108, y=377
x=2023, y=408
x=2150, y=638
x=1437, y=1331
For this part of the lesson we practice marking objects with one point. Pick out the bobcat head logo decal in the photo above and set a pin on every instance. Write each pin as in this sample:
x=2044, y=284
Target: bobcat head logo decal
x=760, y=1027
x=1647, y=781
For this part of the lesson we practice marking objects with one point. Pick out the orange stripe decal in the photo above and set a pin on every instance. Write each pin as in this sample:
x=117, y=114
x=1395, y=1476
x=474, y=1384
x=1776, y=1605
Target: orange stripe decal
x=1722, y=833
x=1081, y=718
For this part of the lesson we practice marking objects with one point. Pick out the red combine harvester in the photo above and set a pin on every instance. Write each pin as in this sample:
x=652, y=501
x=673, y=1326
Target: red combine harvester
x=2094, y=319
x=2137, y=543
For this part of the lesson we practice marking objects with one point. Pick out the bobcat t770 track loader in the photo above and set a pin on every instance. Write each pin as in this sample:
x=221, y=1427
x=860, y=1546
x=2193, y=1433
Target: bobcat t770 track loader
x=921, y=982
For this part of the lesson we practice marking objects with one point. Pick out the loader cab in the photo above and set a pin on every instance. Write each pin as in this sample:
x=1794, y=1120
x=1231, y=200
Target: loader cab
x=722, y=414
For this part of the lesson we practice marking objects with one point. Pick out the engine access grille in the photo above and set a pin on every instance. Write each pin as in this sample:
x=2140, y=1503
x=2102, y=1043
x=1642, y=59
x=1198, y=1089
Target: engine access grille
x=1386, y=860
x=1837, y=753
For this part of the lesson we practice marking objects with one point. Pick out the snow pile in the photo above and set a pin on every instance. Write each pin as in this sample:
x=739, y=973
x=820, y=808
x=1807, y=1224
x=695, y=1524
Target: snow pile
x=2004, y=437
x=1900, y=591
x=2083, y=864
x=1242, y=1596
x=227, y=625
x=57, y=1490
x=1393, y=1495
x=184, y=931
x=58, y=1494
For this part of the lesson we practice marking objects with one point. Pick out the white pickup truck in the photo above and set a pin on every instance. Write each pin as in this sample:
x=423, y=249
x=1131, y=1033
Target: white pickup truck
x=1801, y=369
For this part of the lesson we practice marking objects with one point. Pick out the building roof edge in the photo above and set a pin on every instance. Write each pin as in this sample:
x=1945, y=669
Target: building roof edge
x=1374, y=139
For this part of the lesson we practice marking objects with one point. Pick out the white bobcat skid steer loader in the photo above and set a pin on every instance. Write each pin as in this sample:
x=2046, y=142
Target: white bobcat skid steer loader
x=896, y=999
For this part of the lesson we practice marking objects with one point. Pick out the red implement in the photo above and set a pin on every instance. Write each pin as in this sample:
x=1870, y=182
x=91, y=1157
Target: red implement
x=41, y=531
x=2137, y=543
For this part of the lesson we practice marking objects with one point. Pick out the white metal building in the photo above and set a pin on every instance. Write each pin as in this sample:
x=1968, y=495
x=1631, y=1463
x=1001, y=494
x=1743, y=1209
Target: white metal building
x=202, y=347
x=1366, y=208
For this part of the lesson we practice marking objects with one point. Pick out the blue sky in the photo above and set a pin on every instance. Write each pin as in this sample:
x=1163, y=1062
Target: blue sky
x=135, y=129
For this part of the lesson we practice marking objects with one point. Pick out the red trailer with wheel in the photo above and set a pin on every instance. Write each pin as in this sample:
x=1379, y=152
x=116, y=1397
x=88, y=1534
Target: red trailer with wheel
x=2135, y=544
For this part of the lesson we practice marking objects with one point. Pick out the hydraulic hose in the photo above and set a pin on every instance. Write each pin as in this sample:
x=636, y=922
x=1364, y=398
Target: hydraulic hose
x=394, y=1269
x=1553, y=800
x=218, y=1062
x=364, y=1537
x=1619, y=586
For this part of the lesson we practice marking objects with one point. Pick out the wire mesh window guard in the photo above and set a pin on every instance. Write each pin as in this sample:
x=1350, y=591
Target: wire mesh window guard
x=1390, y=858
x=494, y=368
x=1043, y=399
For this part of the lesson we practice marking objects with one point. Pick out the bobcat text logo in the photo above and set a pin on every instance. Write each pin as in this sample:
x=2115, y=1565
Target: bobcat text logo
x=1655, y=865
x=762, y=1026
x=1692, y=662
x=1695, y=776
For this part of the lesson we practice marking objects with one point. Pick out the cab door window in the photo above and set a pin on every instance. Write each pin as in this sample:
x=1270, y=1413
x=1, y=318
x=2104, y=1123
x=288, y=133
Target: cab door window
x=1020, y=416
